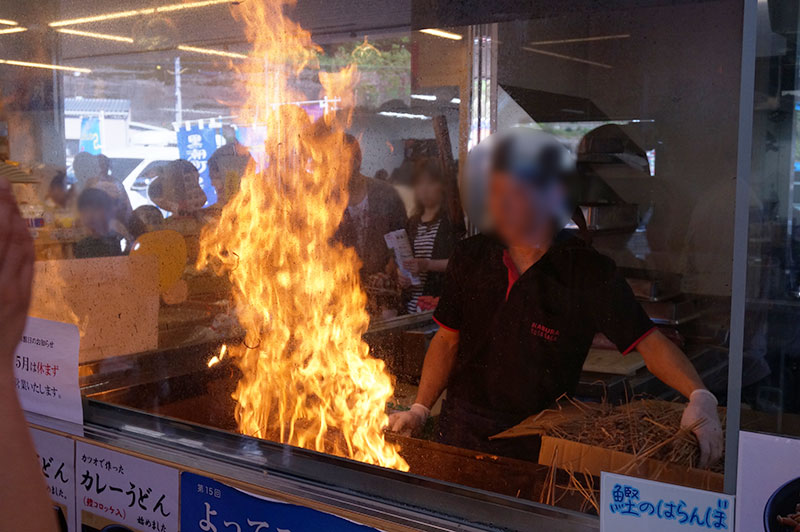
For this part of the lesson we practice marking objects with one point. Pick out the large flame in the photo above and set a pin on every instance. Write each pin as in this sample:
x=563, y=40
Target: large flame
x=308, y=378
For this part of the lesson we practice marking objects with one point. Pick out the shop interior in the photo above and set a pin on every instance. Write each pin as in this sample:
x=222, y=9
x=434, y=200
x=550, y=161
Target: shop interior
x=647, y=98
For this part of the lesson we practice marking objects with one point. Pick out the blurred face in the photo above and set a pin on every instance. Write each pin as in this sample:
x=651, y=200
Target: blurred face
x=519, y=210
x=96, y=220
x=428, y=191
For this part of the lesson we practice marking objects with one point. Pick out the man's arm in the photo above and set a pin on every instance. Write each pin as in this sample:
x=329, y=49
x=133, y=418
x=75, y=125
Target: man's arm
x=436, y=369
x=672, y=367
x=667, y=362
x=439, y=362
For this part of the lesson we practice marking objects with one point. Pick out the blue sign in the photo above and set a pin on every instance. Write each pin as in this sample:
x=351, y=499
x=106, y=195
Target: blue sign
x=196, y=145
x=90, y=135
x=211, y=506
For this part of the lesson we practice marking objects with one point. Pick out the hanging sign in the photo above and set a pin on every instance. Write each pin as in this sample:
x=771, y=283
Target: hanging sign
x=46, y=370
x=629, y=504
x=211, y=506
x=119, y=492
x=196, y=144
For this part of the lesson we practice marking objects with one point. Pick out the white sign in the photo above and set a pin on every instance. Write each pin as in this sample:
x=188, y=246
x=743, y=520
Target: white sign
x=46, y=370
x=116, y=488
x=398, y=242
x=630, y=504
x=57, y=460
x=768, y=482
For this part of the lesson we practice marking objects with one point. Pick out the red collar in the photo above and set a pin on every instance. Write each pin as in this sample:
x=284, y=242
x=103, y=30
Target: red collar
x=513, y=272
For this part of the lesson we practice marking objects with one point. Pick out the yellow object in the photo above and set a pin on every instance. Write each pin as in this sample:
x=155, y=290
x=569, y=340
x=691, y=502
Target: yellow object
x=169, y=248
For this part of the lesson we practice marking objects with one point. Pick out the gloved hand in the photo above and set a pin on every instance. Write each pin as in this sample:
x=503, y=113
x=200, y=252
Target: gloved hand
x=411, y=421
x=701, y=412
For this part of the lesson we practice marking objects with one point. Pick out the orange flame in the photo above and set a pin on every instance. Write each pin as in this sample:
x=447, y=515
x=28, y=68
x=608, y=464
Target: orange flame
x=308, y=378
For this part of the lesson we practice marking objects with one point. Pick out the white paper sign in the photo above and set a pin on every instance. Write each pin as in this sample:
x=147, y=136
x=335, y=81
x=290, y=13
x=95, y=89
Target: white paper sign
x=116, y=488
x=57, y=460
x=399, y=243
x=768, y=481
x=46, y=370
x=630, y=504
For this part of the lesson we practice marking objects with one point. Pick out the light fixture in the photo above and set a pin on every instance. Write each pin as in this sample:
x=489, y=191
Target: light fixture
x=7, y=22
x=211, y=51
x=15, y=29
x=567, y=57
x=583, y=39
x=426, y=97
x=443, y=34
x=94, y=35
x=456, y=101
x=44, y=65
x=135, y=12
x=393, y=114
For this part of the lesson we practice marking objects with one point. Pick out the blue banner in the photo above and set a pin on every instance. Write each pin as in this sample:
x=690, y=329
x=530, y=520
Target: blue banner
x=211, y=506
x=196, y=146
x=90, y=135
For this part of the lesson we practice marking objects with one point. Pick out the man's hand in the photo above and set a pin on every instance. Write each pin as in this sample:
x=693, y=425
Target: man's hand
x=411, y=421
x=701, y=413
x=16, y=274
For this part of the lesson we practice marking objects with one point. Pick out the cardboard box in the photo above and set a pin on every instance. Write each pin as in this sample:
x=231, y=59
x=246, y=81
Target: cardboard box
x=580, y=457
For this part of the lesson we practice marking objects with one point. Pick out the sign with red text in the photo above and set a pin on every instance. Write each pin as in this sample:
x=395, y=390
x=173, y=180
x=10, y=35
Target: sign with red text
x=46, y=370
x=57, y=460
x=116, y=489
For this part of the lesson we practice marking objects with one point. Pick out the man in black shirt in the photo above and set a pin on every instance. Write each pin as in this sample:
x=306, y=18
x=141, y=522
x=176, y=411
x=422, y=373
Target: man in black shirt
x=520, y=308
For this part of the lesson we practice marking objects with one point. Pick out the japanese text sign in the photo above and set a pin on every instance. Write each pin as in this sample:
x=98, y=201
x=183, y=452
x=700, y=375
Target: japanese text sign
x=768, y=482
x=57, y=460
x=210, y=506
x=630, y=504
x=115, y=488
x=196, y=145
x=46, y=370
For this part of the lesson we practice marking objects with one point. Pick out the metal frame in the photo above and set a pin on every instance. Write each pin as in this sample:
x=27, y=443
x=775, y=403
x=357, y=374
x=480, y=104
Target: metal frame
x=741, y=227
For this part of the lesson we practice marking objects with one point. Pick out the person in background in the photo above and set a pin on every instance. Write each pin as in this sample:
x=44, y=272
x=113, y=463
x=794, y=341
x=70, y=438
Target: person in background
x=59, y=194
x=145, y=219
x=177, y=190
x=226, y=168
x=113, y=187
x=86, y=167
x=434, y=228
x=96, y=210
x=20, y=473
x=374, y=208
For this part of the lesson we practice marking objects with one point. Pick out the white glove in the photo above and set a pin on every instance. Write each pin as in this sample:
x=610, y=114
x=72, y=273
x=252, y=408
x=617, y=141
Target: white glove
x=702, y=411
x=410, y=421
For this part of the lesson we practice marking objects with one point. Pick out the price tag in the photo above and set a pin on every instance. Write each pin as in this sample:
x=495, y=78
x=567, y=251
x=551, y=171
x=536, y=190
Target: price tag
x=629, y=504
x=46, y=370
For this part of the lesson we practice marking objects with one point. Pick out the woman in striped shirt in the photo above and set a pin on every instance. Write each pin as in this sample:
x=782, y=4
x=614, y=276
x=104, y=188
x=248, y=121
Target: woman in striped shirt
x=434, y=228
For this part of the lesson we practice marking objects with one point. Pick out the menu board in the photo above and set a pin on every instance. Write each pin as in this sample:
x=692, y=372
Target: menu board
x=57, y=460
x=768, y=482
x=115, y=488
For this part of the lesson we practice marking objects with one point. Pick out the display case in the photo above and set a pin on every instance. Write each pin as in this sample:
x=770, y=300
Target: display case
x=211, y=185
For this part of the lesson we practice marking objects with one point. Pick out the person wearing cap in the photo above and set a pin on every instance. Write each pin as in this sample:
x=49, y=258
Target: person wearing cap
x=519, y=310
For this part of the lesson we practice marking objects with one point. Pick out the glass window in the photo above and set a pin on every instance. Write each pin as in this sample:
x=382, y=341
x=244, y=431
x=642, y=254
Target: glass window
x=770, y=368
x=252, y=215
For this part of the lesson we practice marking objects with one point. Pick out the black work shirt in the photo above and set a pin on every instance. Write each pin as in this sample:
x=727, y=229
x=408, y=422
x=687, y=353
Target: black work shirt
x=523, y=338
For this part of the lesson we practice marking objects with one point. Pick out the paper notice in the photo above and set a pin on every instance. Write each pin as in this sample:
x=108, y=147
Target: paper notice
x=400, y=244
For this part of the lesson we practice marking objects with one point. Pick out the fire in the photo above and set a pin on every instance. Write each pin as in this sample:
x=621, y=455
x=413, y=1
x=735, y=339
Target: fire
x=308, y=378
